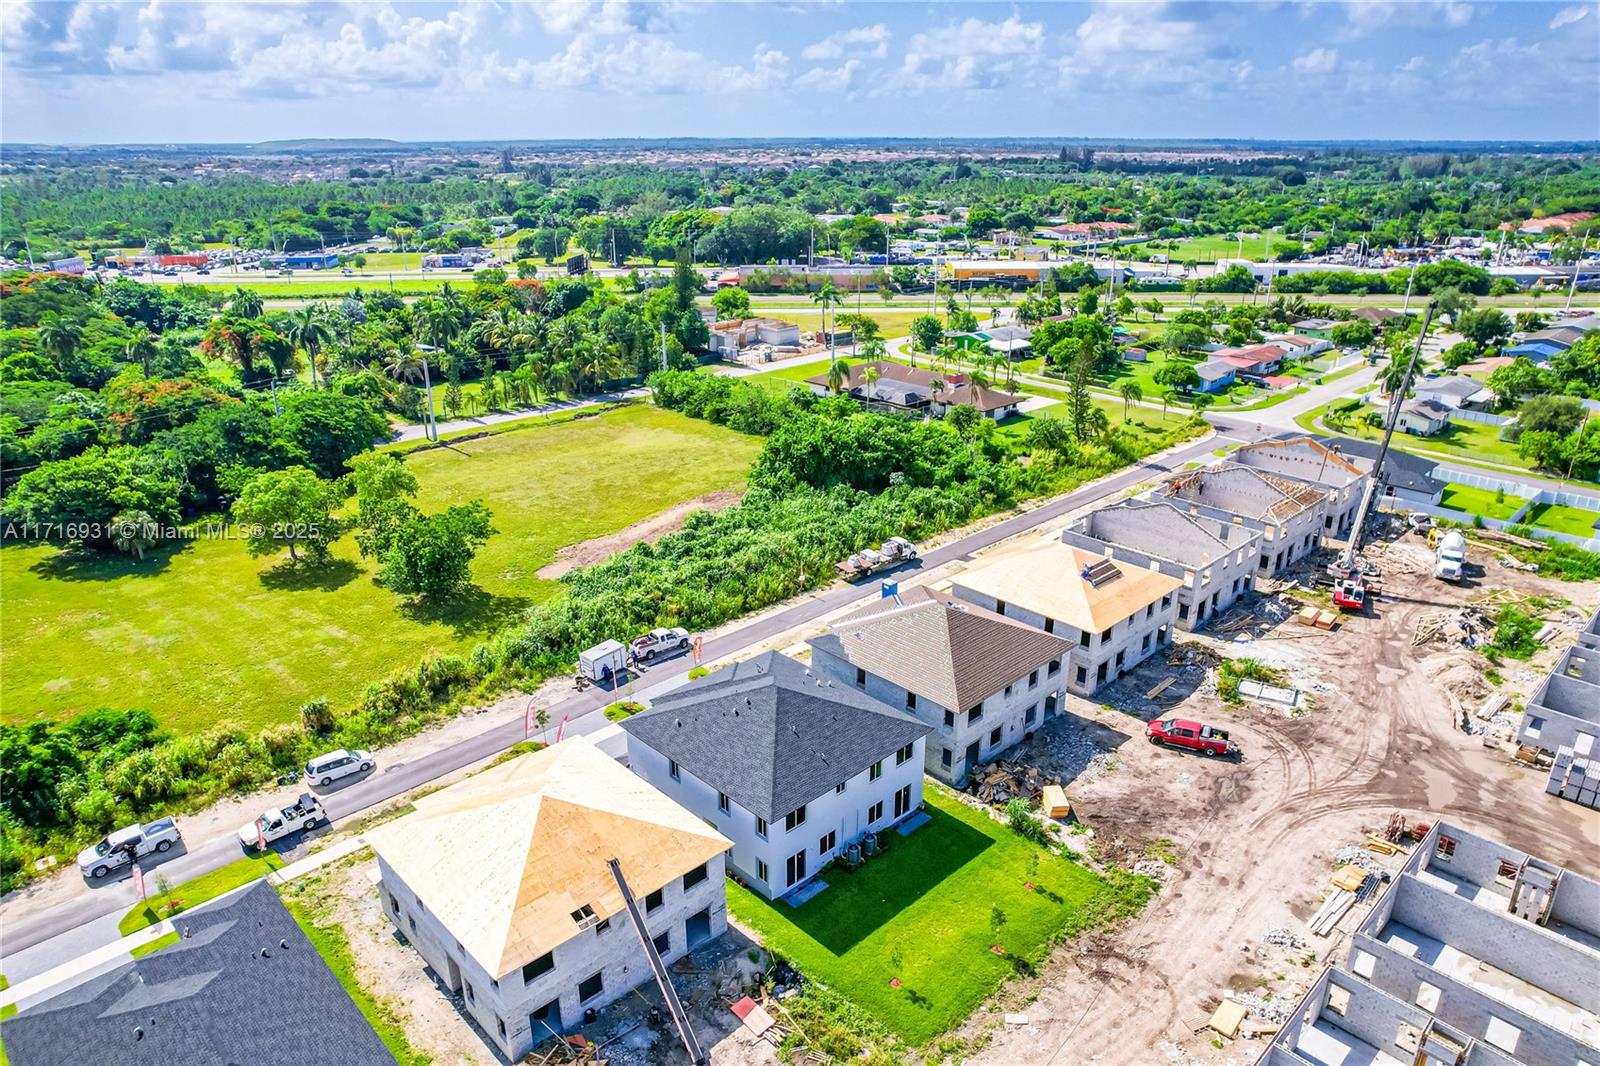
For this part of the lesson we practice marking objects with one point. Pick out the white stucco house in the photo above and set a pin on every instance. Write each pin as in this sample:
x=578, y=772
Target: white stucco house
x=790, y=766
x=983, y=682
x=501, y=883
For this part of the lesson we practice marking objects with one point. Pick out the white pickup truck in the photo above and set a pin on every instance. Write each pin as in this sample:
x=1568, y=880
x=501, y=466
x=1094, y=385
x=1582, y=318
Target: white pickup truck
x=660, y=642
x=275, y=824
x=126, y=844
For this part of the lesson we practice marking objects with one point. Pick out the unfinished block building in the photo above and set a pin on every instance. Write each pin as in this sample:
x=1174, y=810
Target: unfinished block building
x=1563, y=720
x=1216, y=561
x=1477, y=954
x=1289, y=514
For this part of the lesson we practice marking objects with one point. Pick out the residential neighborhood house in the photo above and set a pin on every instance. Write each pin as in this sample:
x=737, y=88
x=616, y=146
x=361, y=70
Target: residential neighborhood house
x=1216, y=561
x=982, y=681
x=1422, y=418
x=911, y=390
x=1216, y=375
x=791, y=766
x=1454, y=391
x=501, y=882
x=1406, y=478
x=1114, y=614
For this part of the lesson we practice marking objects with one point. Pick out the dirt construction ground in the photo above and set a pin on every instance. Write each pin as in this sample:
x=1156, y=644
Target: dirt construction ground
x=1248, y=846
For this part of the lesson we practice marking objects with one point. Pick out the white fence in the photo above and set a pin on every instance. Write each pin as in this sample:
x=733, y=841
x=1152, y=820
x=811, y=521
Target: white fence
x=1530, y=495
x=1461, y=414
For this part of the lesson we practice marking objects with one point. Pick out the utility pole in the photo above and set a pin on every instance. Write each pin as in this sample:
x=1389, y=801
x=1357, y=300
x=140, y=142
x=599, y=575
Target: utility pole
x=1410, y=279
x=277, y=408
x=663, y=345
x=680, y=1018
x=427, y=386
x=1577, y=268
x=1353, y=548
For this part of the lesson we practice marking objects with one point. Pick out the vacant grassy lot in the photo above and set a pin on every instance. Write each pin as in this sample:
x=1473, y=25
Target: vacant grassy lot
x=927, y=913
x=203, y=633
x=1577, y=521
x=1479, y=502
x=1208, y=249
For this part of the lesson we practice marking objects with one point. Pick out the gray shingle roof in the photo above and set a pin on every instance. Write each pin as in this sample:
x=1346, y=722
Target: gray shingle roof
x=1400, y=469
x=943, y=649
x=770, y=734
x=200, y=1002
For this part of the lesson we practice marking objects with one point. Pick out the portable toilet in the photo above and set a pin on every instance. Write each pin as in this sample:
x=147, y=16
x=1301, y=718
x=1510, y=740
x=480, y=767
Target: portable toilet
x=891, y=588
x=603, y=662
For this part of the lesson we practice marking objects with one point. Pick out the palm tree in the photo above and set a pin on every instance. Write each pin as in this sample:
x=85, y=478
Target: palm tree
x=1131, y=394
x=246, y=302
x=1393, y=376
x=403, y=364
x=309, y=332
x=59, y=337
x=828, y=296
x=138, y=349
x=1166, y=398
x=838, y=376
x=870, y=376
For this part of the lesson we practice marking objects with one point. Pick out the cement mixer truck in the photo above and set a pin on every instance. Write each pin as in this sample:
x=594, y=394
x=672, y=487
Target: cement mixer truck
x=1450, y=556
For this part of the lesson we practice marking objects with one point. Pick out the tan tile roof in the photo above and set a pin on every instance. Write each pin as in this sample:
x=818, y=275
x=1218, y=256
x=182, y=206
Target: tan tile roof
x=1047, y=577
x=506, y=856
x=941, y=648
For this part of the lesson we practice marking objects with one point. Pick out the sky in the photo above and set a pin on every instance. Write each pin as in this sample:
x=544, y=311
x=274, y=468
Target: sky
x=92, y=71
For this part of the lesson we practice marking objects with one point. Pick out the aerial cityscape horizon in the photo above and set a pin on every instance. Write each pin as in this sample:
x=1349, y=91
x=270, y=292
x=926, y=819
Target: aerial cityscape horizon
x=799, y=533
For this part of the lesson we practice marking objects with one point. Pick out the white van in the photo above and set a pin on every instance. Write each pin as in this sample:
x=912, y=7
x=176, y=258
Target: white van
x=326, y=769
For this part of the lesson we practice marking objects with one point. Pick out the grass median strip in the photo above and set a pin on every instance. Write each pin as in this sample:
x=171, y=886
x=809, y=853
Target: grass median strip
x=197, y=891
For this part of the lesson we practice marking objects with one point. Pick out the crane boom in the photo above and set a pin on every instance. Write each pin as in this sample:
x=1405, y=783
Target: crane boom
x=691, y=1043
x=1354, y=546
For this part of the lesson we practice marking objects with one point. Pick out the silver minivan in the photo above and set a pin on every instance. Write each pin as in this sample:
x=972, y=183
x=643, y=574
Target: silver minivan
x=326, y=769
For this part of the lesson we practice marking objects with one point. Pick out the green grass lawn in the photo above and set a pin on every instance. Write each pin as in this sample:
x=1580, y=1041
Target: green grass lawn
x=204, y=634
x=1479, y=501
x=195, y=892
x=927, y=913
x=1208, y=249
x=1577, y=521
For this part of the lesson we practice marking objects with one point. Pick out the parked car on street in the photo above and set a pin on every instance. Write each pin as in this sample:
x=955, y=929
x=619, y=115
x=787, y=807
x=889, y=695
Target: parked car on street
x=305, y=813
x=126, y=844
x=326, y=769
x=1195, y=736
x=660, y=642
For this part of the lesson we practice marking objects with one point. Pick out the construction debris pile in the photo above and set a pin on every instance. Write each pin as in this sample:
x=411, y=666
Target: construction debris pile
x=1283, y=938
x=1002, y=781
x=1352, y=855
x=1267, y=1008
x=1466, y=627
x=1244, y=624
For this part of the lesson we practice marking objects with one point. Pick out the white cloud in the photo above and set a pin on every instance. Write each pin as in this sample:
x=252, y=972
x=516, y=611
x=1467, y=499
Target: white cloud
x=871, y=41
x=1316, y=62
x=1568, y=15
x=971, y=54
x=1365, y=16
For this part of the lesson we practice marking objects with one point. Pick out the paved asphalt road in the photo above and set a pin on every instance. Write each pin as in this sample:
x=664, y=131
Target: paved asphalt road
x=117, y=895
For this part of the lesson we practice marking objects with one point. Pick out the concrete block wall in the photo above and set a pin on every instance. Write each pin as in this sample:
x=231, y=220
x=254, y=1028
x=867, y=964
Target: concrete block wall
x=505, y=1001
x=1015, y=715
x=1521, y=949
x=1463, y=1007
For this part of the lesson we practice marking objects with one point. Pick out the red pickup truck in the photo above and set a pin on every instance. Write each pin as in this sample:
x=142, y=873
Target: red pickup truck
x=1182, y=733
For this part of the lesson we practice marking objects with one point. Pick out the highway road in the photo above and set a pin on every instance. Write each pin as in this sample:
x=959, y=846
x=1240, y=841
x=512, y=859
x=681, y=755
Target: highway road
x=25, y=930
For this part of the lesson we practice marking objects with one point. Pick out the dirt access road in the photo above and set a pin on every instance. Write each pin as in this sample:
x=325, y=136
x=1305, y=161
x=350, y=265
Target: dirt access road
x=1254, y=840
